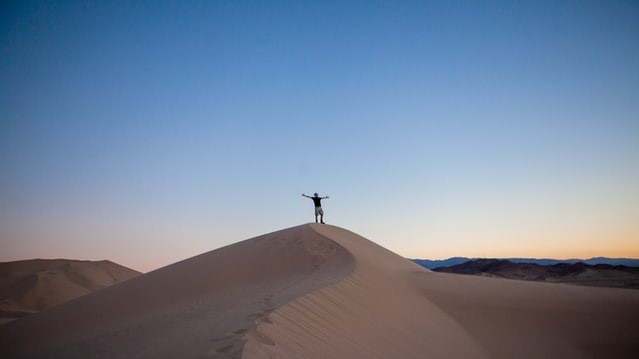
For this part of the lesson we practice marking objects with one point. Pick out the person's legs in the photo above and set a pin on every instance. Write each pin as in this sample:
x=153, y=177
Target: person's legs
x=321, y=212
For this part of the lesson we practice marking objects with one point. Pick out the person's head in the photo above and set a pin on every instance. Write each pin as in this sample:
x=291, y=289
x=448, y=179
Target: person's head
x=315, y=194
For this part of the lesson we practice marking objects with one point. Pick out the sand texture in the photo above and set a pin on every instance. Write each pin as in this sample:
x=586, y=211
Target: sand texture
x=319, y=291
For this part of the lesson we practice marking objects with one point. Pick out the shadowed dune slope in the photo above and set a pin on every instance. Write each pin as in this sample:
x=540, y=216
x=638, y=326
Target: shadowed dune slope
x=390, y=307
x=197, y=308
x=32, y=285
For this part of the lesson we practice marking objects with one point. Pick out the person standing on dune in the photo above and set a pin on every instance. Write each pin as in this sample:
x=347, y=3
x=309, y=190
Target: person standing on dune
x=317, y=200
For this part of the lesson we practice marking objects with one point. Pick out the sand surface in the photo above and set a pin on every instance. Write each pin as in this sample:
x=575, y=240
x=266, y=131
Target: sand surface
x=319, y=291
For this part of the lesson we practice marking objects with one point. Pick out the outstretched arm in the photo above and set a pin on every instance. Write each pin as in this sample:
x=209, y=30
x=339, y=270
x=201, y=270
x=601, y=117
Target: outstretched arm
x=326, y=197
x=306, y=195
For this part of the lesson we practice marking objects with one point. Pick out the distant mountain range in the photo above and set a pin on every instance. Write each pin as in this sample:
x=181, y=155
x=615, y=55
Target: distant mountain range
x=438, y=263
x=600, y=275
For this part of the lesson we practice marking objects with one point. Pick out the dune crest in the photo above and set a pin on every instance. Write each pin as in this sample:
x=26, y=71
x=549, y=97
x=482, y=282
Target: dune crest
x=376, y=312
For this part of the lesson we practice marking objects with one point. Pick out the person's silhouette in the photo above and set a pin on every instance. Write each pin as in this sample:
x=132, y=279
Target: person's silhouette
x=317, y=200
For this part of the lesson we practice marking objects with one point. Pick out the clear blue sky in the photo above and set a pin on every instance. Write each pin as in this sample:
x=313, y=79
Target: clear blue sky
x=149, y=132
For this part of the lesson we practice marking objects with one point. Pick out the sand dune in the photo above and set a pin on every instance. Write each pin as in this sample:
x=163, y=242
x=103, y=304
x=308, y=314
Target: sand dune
x=29, y=286
x=200, y=307
x=318, y=291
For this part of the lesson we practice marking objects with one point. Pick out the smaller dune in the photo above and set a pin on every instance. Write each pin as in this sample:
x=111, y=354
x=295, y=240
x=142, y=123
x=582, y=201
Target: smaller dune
x=30, y=286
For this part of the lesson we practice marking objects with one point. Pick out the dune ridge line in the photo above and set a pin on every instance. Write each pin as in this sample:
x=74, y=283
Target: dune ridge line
x=375, y=312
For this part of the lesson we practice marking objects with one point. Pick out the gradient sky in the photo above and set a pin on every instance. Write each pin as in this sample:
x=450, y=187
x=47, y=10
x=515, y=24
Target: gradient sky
x=149, y=132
